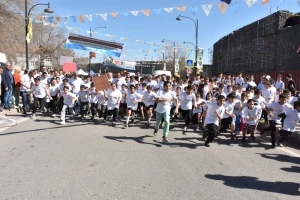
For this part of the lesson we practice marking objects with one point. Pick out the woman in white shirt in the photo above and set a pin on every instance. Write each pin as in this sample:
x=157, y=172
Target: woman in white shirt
x=114, y=97
x=187, y=100
x=38, y=95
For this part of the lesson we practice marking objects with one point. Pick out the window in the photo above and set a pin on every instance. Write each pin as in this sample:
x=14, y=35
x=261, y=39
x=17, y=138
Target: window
x=47, y=59
x=32, y=63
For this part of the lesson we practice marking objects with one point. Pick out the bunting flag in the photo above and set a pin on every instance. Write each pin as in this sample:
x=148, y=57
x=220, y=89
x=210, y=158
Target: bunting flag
x=250, y=2
x=29, y=33
x=81, y=18
x=107, y=35
x=114, y=14
x=53, y=25
x=135, y=13
x=125, y=14
x=104, y=16
x=265, y=1
x=146, y=12
x=222, y=7
x=38, y=19
x=157, y=11
x=207, y=8
x=51, y=19
x=69, y=28
x=89, y=17
x=123, y=38
x=73, y=18
x=182, y=8
x=226, y=1
x=65, y=20
x=57, y=18
x=168, y=10
x=194, y=9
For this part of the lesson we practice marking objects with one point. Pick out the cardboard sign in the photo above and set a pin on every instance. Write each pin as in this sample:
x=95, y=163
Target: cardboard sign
x=69, y=67
x=101, y=82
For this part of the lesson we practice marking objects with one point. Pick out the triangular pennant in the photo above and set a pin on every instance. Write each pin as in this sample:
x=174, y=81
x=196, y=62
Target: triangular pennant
x=69, y=28
x=125, y=14
x=194, y=9
x=65, y=20
x=53, y=25
x=104, y=16
x=57, y=18
x=264, y=1
x=89, y=17
x=123, y=38
x=146, y=12
x=168, y=10
x=226, y=1
x=222, y=7
x=107, y=35
x=114, y=14
x=157, y=11
x=135, y=13
x=73, y=18
x=181, y=8
x=38, y=19
x=207, y=8
x=51, y=19
x=250, y=2
x=81, y=18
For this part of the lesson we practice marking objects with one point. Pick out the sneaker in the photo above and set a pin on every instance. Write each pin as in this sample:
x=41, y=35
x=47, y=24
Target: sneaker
x=33, y=116
x=155, y=132
x=113, y=123
x=244, y=140
x=92, y=118
x=53, y=115
x=262, y=132
x=204, y=135
x=126, y=125
x=279, y=144
x=252, y=137
x=195, y=129
x=232, y=136
x=165, y=139
x=273, y=146
x=62, y=122
x=132, y=120
x=148, y=123
x=206, y=144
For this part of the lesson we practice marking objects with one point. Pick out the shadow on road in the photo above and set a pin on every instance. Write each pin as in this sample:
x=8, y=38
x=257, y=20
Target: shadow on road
x=253, y=183
x=136, y=139
x=281, y=158
x=293, y=169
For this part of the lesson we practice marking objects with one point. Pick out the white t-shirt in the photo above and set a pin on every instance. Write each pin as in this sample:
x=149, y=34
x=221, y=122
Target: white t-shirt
x=278, y=109
x=166, y=105
x=120, y=83
x=53, y=90
x=26, y=80
x=38, y=91
x=113, y=98
x=269, y=95
x=68, y=98
x=83, y=96
x=149, y=98
x=44, y=81
x=61, y=87
x=124, y=92
x=76, y=83
x=198, y=109
x=255, y=113
x=279, y=84
x=252, y=83
x=101, y=98
x=92, y=95
x=229, y=107
x=186, y=101
x=211, y=116
x=291, y=120
x=239, y=81
x=131, y=100
x=205, y=91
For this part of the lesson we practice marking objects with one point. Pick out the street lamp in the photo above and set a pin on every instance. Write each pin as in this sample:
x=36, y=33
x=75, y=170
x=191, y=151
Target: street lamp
x=196, y=46
x=27, y=14
x=189, y=43
x=174, y=44
x=91, y=32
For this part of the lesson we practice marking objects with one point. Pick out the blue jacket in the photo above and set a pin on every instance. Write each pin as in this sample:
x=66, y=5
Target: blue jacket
x=7, y=79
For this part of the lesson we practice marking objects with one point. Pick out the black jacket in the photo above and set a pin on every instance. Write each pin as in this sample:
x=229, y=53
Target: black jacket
x=7, y=80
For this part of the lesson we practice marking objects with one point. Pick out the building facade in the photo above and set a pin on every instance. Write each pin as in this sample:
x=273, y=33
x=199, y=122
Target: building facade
x=34, y=62
x=262, y=46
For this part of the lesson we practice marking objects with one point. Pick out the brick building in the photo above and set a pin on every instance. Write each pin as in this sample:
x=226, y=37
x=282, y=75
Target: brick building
x=262, y=46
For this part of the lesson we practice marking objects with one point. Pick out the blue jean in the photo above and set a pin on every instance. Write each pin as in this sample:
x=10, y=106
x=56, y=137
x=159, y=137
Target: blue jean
x=237, y=122
x=25, y=100
x=7, y=97
x=166, y=117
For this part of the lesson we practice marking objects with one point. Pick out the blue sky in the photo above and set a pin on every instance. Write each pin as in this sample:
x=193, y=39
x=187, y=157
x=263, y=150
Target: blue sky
x=156, y=27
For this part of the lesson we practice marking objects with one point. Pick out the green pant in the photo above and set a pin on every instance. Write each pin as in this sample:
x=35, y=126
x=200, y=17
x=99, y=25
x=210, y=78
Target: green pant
x=166, y=117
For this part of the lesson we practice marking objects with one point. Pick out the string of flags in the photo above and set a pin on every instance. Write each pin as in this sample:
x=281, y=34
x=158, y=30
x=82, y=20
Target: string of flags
x=222, y=6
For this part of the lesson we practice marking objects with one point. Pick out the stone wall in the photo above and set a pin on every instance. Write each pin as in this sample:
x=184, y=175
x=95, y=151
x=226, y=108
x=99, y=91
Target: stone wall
x=262, y=46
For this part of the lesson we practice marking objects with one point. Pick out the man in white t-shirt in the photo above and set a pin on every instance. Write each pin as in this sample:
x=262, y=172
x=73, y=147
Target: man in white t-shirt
x=239, y=79
x=25, y=90
x=76, y=82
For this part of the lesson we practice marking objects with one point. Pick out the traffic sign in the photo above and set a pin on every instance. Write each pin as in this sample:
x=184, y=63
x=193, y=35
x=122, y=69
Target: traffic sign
x=189, y=63
x=189, y=70
x=176, y=67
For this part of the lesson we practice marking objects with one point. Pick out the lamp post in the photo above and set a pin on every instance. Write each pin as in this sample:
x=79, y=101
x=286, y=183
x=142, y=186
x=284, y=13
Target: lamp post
x=174, y=44
x=190, y=43
x=27, y=15
x=91, y=32
x=196, y=46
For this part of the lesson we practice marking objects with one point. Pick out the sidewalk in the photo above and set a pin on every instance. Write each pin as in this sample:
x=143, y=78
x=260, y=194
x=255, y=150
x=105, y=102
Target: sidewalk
x=10, y=118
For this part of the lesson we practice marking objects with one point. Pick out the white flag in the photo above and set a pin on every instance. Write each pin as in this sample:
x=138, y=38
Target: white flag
x=104, y=16
x=135, y=13
x=207, y=8
x=89, y=17
x=250, y=2
x=168, y=10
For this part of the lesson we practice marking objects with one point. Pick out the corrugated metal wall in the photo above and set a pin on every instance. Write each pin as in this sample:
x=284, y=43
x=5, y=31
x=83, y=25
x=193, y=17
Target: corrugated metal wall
x=274, y=75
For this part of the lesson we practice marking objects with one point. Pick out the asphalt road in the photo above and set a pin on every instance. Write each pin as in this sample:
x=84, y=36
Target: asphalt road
x=44, y=160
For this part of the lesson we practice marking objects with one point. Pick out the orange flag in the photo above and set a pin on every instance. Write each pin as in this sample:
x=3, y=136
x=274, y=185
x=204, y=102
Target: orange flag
x=81, y=18
x=182, y=8
x=146, y=12
x=222, y=7
x=265, y=1
x=115, y=14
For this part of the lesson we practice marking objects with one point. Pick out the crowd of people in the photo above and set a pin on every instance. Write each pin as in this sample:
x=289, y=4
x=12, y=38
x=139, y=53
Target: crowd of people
x=217, y=104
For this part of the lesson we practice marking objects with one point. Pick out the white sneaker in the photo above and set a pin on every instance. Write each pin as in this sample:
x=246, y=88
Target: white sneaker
x=33, y=116
x=53, y=115
x=62, y=122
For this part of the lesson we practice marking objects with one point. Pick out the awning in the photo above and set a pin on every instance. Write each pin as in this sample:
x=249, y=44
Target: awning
x=127, y=68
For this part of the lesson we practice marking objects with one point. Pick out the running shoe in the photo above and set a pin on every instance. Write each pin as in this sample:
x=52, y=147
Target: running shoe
x=155, y=132
x=165, y=139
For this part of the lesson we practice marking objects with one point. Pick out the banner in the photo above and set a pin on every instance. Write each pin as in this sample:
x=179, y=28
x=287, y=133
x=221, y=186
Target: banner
x=200, y=59
x=69, y=67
